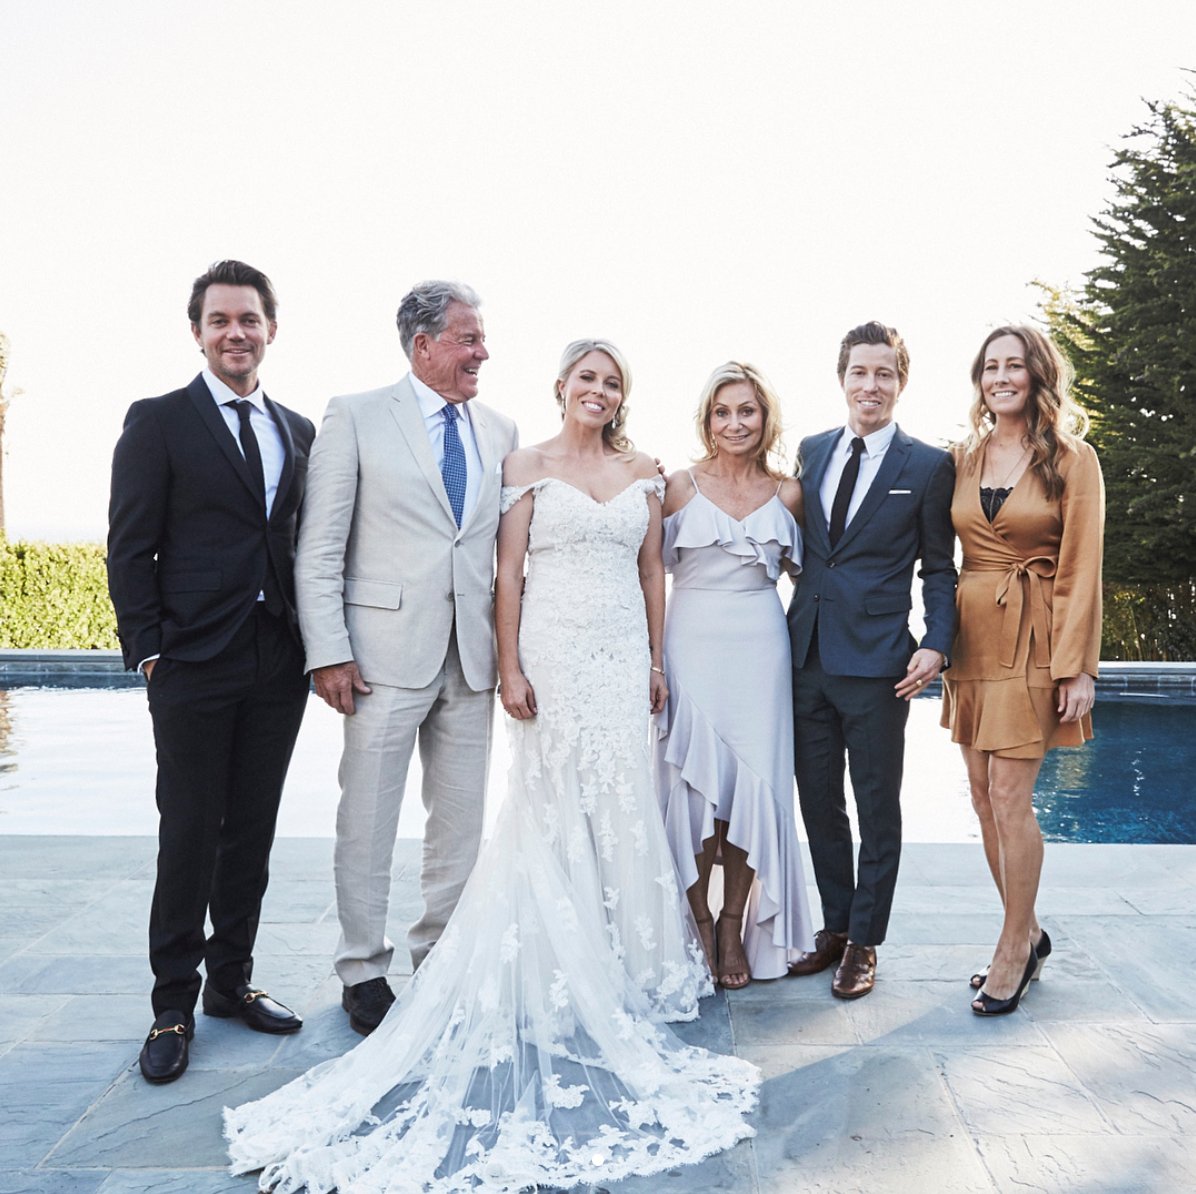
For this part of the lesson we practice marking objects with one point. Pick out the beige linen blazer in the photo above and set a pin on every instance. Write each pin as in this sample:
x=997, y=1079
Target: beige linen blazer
x=382, y=571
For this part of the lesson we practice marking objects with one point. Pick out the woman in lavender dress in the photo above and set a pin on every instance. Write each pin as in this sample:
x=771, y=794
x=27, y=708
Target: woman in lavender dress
x=725, y=757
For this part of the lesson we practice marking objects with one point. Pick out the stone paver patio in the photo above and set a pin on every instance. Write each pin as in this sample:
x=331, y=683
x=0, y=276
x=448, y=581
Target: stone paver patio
x=1090, y=1086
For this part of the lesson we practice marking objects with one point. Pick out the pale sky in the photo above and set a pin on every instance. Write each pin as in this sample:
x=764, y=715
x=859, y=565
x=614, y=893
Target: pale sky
x=697, y=181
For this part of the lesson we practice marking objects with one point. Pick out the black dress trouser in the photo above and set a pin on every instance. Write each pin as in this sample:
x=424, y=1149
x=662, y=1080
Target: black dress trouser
x=224, y=729
x=858, y=721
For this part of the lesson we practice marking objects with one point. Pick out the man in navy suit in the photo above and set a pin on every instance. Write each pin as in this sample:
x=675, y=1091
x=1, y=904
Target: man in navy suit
x=206, y=487
x=877, y=501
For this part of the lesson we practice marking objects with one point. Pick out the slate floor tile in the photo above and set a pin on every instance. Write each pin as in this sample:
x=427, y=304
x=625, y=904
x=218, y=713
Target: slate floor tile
x=1012, y=1091
x=1142, y=1078
x=136, y=1125
x=1101, y=1164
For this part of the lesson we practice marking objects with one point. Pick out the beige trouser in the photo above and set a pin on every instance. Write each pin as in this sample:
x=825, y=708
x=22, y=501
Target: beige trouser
x=453, y=726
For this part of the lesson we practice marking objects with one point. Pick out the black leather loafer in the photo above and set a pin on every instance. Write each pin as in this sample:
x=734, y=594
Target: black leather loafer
x=164, y=1055
x=367, y=1004
x=256, y=1008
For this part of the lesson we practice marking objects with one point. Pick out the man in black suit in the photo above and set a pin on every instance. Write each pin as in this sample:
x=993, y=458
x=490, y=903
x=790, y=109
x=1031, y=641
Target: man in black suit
x=877, y=501
x=206, y=487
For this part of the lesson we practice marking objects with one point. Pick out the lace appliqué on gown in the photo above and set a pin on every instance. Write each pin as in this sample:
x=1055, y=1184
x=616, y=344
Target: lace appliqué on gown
x=529, y=1048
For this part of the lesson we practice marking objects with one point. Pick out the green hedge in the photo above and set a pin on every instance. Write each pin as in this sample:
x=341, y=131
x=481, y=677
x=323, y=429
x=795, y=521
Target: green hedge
x=1156, y=623
x=54, y=596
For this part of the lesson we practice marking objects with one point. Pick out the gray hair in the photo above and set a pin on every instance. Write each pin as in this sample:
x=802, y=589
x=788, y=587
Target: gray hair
x=425, y=309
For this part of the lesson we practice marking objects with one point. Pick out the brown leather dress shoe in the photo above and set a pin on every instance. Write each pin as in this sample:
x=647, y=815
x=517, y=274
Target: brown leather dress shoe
x=828, y=949
x=856, y=975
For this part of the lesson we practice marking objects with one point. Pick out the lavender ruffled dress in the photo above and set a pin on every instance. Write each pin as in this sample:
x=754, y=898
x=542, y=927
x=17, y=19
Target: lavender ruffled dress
x=726, y=739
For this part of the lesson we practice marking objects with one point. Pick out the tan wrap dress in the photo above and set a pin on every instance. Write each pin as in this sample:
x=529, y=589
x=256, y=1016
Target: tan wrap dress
x=1029, y=605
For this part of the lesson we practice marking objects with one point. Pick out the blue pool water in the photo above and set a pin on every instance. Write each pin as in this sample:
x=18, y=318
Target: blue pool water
x=81, y=761
x=1134, y=782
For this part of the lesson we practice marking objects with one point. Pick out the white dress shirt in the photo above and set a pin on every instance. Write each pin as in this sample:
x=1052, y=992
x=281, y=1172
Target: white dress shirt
x=269, y=438
x=432, y=406
x=875, y=446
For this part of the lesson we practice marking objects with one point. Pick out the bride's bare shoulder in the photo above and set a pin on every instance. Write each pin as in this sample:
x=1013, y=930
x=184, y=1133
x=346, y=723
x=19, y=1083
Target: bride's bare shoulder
x=644, y=466
x=523, y=466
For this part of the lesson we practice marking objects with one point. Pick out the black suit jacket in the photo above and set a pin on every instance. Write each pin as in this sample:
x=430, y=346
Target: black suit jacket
x=188, y=541
x=859, y=592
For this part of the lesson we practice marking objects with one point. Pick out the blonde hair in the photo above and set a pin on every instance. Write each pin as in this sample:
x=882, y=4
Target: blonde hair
x=613, y=434
x=1054, y=420
x=769, y=454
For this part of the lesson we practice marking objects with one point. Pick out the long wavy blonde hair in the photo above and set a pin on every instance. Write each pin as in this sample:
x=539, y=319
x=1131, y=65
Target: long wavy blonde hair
x=1054, y=420
x=613, y=434
x=769, y=455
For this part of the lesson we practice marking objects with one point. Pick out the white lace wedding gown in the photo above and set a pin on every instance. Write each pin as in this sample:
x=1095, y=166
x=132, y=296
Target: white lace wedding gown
x=529, y=1048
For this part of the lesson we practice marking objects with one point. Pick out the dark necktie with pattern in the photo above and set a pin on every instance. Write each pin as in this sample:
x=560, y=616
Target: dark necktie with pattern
x=452, y=467
x=851, y=473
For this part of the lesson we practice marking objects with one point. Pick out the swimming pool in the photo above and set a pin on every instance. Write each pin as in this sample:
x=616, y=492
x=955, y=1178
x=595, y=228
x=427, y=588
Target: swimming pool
x=81, y=761
x=1134, y=782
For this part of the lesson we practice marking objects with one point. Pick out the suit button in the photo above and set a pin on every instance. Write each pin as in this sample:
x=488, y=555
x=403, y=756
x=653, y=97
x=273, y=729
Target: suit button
x=830, y=563
x=815, y=596
x=448, y=596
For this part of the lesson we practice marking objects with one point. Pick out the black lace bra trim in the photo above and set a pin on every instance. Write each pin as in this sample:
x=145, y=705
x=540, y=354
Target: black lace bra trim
x=991, y=500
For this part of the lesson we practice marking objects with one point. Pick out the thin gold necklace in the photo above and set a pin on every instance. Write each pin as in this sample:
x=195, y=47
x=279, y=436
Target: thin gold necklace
x=1013, y=470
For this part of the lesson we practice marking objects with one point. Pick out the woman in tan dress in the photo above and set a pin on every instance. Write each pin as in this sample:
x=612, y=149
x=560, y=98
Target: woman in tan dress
x=1029, y=512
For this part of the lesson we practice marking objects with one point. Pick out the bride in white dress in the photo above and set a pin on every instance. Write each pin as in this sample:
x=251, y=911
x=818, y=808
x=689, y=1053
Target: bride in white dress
x=530, y=1047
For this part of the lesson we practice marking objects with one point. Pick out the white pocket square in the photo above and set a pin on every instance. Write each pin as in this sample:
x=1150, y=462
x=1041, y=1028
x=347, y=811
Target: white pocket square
x=901, y=491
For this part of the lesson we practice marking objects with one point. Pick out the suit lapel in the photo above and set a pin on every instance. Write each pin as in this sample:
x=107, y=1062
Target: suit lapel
x=410, y=419
x=483, y=437
x=813, y=472
x=890, y=466
x=288, y=460
x=209, y=413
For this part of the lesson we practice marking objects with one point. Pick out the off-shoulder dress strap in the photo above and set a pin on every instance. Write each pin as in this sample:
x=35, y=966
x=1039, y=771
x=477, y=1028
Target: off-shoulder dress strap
x=512, y=493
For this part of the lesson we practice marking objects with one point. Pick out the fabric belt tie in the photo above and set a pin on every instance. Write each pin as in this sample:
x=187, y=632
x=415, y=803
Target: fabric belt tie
x=1026, y=575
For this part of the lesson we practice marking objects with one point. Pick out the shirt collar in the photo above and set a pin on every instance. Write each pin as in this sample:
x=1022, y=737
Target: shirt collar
x=874, y=444
x=430, y=402
x=224, y=395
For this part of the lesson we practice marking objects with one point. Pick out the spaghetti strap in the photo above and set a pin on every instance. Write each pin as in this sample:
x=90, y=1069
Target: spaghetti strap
x=693, y=480
x=779, y=484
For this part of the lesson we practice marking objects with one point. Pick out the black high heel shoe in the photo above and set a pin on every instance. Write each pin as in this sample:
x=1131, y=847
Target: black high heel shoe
x=985, y=1005
x=1042, y=949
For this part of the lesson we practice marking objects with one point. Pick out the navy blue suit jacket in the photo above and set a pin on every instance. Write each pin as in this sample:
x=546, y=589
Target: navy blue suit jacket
x=860, y=593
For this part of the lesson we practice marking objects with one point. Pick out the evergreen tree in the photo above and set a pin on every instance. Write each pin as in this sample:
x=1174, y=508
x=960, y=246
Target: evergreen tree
x=1131, y=334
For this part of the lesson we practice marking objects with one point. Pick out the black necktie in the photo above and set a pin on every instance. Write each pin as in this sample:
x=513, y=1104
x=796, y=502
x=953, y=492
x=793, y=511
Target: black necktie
x=271, y=591
x=253, y=455
x=851, y=472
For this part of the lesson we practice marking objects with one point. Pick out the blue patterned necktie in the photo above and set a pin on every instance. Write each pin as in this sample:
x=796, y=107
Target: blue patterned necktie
x=452, y=467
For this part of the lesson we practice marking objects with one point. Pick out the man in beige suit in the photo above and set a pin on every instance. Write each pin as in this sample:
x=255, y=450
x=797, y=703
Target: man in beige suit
x=394, y=574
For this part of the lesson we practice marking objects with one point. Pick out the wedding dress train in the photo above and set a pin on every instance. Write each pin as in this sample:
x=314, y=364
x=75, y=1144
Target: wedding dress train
x=530, y=1047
